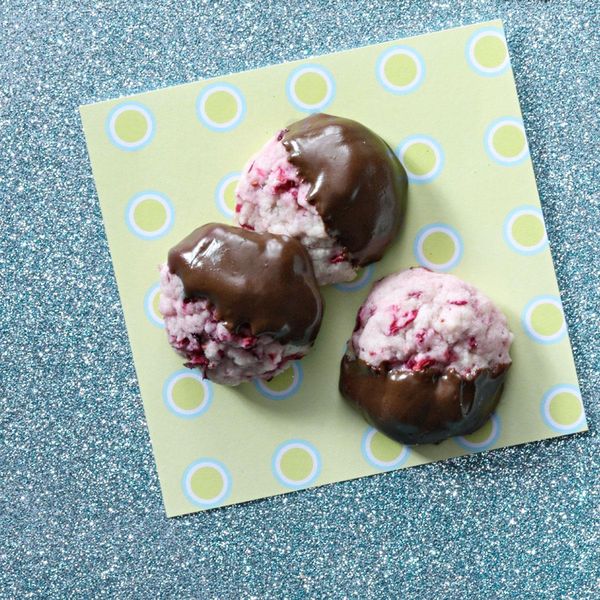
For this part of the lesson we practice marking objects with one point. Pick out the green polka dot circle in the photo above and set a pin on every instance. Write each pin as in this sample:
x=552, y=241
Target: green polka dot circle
x=562, y=408
x=422, y=157
x=487, y=53
x=186, y=394
x=482, y=439
x=310, y=88
x=130, y=126
x=524, y=230
x=505, y=141
x=206, y=483
x=149, y=215
x=543, y=320
x=296, y=464
x=282, y=386
x=220, y=106
x=438, y=247
x=225, y=194
x=382, y=452
x=151, y=306
x=400, y=70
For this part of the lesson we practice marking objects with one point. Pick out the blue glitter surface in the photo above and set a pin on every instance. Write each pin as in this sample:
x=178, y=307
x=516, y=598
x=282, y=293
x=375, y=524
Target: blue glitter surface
x=80, y=506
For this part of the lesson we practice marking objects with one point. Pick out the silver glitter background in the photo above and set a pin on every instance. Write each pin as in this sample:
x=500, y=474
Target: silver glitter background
x=80, y=505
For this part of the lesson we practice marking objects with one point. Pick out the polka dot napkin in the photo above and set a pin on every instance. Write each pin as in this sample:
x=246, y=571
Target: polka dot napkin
x=168, y=161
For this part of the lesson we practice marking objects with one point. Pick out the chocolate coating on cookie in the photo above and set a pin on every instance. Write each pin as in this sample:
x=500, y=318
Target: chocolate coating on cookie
x=421, y=407
x=358, y=185
x=261, y=281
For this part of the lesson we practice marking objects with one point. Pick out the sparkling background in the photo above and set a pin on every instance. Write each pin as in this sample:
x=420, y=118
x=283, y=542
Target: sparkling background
x=80, y=505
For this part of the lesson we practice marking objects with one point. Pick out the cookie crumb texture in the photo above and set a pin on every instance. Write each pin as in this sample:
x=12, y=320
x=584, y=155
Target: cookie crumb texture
x=428, y=357
x=238, y=305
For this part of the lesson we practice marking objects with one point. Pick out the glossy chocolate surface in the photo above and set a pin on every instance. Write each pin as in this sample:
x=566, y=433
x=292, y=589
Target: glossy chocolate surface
x=421, y=407
x=261, y=281
x=358, y=185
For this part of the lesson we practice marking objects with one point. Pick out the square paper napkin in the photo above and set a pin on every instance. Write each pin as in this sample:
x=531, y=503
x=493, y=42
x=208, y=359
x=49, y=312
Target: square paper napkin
x=168, y=161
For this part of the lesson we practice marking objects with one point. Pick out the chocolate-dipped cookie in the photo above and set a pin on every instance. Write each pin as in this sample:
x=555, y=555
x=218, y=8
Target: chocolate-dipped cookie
x=428, y=357
x=333, y=184
x=238, y=304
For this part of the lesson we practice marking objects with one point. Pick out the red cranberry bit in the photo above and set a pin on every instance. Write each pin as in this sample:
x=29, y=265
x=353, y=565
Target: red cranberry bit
x=238, y=208
x=458, y=302
x=338, y=258
x=423, y=364
x=449, y=355
x=248, y=342
x=181, y=344
x=246, y=226
x=199, y=360
x=414, y=294
x=418, y=365
x=472, y=343
x=420, y=335
x=285, y=186
x=401, y=322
